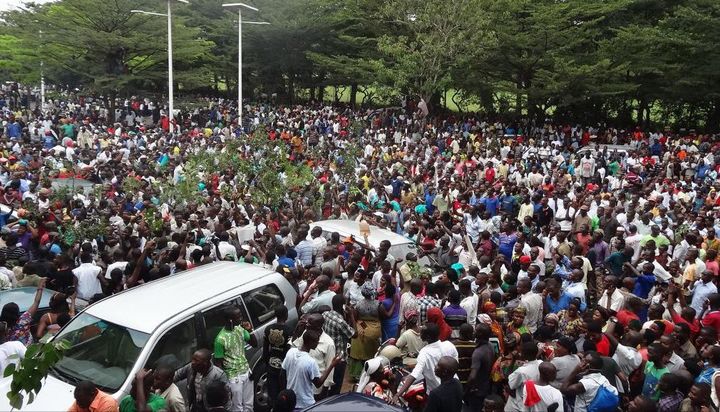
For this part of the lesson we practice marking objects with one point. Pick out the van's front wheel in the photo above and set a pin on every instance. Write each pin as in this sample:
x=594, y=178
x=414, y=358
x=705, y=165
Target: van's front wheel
x=260, y=386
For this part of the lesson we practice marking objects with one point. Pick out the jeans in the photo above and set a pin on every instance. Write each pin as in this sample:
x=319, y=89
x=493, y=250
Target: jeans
x=273, y=388
x=241, y=388
x=338, y=378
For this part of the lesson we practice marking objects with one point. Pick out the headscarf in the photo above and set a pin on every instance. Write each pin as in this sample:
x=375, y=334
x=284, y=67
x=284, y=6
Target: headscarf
x=410, y=313
x=553, y=316
x=484, y=318
x=436, y=316
x=489, y=307
x=371, y=366
x=368, y=291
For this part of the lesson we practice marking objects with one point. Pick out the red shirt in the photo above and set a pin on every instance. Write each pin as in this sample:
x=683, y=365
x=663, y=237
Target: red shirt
x=713, y=265
x=583, y=241
x=490, y=174
x=694, y=326
x=625, y=316
x=603, y=347
x=712, y=319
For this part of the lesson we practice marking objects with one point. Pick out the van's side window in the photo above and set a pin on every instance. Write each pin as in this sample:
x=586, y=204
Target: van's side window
x=176, y=346
x=214, y=321
x=261, y=303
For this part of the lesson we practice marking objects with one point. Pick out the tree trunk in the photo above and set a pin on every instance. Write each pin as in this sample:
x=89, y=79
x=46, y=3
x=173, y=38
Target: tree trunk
x=642, y=106
x=291, y=88
x=486, y=101
x=110, y=104
x=435, y=102
x=713, y=119
x=312, y=94
x=353, y=95
x=321, y=93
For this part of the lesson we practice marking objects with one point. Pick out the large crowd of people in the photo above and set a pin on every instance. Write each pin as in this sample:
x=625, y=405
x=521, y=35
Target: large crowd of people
x=568, y=268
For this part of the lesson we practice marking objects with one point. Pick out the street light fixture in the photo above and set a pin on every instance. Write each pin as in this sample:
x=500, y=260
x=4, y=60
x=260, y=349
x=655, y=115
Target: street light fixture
x=240, y=6
x=171, y=98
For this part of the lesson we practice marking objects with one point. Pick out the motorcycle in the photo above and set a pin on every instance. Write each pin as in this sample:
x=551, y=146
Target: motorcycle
x=388, y=356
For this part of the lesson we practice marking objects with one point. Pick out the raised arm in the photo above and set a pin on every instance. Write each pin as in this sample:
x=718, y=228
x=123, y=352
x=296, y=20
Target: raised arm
x=318, y=382
x=38, y=295
x=133, y=280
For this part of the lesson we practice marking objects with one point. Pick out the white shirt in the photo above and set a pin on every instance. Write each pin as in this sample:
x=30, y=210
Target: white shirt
x=323, y=355
x=627, y=358
x=319, y=243
x=113, y=266
x=548, y=396
x=428, y=358
x=634, y=242
x=534, y=305
x=470, y=304
x=226, y=249
x=378, y=276
x=9, y=349
x=700, y=292
x=88, y=283
x=680, y=251
x=516, y=381
x=591, y=383
x=576, y=290
x=301, y=369
x=617, y=300
x=675, y=363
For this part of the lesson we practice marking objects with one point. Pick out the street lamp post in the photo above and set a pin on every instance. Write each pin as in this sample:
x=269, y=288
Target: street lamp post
x=240, y=23
x=42, y=82
x=171, y=98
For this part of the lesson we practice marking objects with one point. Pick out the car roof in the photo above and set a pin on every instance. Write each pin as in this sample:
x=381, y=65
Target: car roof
x=146, y=307
x=352, y=228
x=352, y=401
x=609, y=147
x=24, y=297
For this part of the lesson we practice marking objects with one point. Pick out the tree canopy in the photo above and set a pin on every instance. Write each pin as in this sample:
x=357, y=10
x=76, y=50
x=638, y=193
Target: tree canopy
x=627, y=62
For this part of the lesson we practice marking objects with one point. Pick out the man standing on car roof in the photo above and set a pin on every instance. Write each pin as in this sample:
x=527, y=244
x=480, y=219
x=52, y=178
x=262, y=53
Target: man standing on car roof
x=230, y=356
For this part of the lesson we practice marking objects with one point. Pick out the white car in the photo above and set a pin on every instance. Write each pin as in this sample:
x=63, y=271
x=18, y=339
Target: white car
x=621, y=149
x=400, y=246
x=165, y=320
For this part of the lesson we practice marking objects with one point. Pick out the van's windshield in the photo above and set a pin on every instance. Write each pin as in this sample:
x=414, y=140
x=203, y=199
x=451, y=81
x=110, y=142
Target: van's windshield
x=100, y=351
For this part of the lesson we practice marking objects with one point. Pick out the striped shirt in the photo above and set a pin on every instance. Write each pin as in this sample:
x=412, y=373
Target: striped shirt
x=465, y=349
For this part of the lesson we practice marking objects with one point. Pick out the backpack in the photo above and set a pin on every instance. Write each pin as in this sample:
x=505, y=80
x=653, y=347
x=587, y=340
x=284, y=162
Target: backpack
x=604, y=401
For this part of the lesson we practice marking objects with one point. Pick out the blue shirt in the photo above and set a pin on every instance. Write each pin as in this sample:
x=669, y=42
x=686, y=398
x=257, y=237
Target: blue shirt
x=702, y=171
x=300, y=369
x=563, y=268
x=643, y=284
x=562, y=303
x=14, y=129
x=491, y=205
x=286, y=261
x=429, y=202
x=397, y=185
x=506, y=243
x=508, y=203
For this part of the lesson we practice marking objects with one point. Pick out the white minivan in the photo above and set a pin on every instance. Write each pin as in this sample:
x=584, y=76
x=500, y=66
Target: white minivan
x=169, y=318
x=400, y=246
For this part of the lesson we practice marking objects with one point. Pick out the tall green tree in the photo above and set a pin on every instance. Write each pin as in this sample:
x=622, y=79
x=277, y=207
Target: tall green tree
x=427, y=40
x=107, y=48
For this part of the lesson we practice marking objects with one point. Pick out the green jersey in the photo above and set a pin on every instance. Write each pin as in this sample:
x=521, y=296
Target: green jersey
x=230, y=347
x=155, y=402
x=68, y=130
